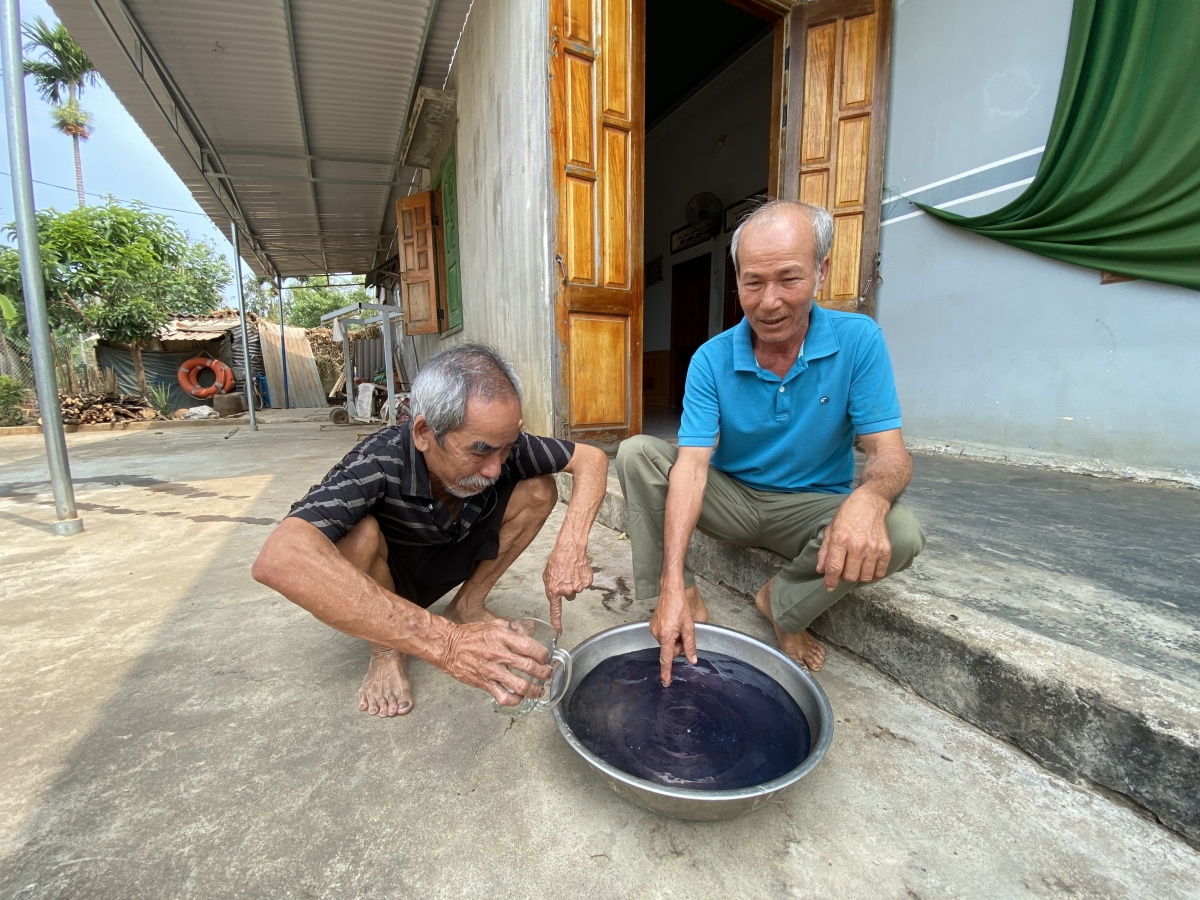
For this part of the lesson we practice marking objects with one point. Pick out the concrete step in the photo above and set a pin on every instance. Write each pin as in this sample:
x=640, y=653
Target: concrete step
x=1080, y=714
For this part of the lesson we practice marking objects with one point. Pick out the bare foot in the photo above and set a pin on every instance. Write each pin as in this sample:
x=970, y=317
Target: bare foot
x=803, y=647
x=385, y=690
x=463, y=613
x=696, y=602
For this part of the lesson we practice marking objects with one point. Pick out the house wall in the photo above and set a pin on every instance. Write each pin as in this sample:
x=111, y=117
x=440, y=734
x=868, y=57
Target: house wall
x=994, y=346
x=682, y=159
x=504, y=206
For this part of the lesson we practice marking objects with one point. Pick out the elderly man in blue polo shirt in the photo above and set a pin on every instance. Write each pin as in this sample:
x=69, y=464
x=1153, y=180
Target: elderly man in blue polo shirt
x=766, y=448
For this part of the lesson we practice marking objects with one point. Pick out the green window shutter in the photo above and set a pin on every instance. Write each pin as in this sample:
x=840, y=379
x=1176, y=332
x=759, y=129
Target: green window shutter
x=448, y=179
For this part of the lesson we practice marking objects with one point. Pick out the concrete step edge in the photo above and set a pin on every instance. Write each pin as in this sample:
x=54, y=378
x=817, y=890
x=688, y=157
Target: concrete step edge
x=1077, y=713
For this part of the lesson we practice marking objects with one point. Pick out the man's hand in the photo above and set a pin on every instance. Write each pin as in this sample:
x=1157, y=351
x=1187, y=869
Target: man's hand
x=481, y=653
x=568, y=571
x=855, y=547
x=672, y=625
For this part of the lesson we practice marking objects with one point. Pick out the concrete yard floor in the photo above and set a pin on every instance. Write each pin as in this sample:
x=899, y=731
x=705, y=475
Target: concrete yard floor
x=172, y=729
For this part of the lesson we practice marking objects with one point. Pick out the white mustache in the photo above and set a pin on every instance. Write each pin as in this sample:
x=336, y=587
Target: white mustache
x=470, y=486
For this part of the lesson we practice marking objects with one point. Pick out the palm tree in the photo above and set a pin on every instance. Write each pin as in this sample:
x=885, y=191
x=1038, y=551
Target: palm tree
x=63, y=67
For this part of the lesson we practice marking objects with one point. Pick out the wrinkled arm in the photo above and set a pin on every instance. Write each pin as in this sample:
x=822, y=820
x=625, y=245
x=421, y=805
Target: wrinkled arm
x=568, y=570
x=672, y=621
x=299, y=562
x=856, y=546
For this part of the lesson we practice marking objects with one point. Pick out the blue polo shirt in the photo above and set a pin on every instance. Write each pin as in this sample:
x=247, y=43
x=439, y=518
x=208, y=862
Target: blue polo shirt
x=796, y=433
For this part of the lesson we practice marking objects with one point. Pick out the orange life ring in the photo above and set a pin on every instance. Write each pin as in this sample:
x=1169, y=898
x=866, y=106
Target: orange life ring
x=190, y=371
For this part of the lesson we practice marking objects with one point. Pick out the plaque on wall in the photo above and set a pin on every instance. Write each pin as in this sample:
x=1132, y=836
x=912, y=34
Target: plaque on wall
x=737, y=211
x=687, y=236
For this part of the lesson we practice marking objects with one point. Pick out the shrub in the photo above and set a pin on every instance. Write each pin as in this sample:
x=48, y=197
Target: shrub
x=12, y=393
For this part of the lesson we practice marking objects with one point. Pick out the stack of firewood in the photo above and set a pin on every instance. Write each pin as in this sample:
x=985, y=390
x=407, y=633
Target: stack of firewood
x=92, y=409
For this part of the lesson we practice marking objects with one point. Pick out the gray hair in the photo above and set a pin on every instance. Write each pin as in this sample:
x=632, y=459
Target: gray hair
x=446, y=383
x=818, y=217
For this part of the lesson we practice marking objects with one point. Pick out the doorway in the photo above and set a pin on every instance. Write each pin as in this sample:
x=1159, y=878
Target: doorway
x=709, y=79
x=689, y=318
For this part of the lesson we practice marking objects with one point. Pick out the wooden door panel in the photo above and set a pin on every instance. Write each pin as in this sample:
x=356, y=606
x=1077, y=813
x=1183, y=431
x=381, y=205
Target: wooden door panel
x=814, y=187
x=582, y=113
x=414, y=216
x=618, y=60
x=839, y=66
x=599, y=351
x=852, y=142
x=616, y=249
x=578, y=21
x=581, y=236
x=596, y=120
x=818, y=92
x=844, y=266
x=858, y=67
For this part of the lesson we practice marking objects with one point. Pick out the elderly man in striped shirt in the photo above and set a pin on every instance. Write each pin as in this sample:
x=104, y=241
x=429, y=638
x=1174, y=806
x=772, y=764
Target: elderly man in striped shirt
x=448, y=500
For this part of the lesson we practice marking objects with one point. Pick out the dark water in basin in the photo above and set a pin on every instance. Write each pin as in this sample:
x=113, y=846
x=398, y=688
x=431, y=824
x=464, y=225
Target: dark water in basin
x=720, y=726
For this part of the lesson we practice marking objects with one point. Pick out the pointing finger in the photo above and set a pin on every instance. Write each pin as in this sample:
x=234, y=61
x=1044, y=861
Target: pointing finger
x=556, y=613
x=665, y=655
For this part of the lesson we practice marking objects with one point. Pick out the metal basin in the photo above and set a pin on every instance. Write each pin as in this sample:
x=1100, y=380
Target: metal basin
x=680, y=803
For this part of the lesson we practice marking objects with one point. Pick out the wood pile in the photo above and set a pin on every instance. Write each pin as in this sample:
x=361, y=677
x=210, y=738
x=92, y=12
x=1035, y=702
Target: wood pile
x=94, y=409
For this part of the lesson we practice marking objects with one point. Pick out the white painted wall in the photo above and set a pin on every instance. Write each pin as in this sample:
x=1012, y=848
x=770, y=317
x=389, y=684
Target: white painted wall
x=504, y=204
x=998, y=347
x=682, y=160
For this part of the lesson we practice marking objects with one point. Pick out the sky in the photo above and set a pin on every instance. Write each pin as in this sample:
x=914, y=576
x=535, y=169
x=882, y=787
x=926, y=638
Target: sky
x=118, y=159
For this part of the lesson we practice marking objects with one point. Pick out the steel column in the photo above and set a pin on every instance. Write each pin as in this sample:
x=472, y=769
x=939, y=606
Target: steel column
x=31, y=272
x=349, y=385
x=385, y=326
x=248, y=373
x=282, y=342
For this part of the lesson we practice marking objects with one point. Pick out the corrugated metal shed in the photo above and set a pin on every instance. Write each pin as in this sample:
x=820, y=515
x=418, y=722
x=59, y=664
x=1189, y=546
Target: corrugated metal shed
x=197, y=328
x=285, y=115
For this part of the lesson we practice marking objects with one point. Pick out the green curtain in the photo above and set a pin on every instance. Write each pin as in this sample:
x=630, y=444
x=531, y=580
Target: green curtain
x=1118, y=187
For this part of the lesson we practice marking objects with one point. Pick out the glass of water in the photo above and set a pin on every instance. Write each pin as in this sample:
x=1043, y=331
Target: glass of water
x=560, y=661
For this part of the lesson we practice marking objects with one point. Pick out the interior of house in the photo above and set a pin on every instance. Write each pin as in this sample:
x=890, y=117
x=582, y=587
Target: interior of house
x=708, y=106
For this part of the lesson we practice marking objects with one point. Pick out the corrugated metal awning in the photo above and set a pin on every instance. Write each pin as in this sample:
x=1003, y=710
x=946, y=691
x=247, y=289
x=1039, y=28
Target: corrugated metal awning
x=287, y=116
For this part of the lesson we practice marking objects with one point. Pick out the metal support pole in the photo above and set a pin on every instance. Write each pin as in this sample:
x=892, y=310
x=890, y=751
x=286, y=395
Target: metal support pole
x=385, y=321
x=282, y=342
x=248, y=374
x=349, y=370
x=31, y=271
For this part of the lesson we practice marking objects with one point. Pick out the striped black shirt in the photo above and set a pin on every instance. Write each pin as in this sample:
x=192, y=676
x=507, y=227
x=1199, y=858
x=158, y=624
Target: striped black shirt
x=385, y=476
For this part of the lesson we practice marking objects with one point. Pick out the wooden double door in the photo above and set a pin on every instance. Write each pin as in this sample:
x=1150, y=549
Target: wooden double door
x=826, y=144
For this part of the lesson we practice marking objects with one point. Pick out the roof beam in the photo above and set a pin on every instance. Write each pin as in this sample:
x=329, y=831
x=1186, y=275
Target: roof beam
x=270, y=154
x=291, y=38
x=268, y=176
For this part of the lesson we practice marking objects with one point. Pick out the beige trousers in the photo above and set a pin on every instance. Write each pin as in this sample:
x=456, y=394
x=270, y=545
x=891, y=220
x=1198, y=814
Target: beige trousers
x=791, y=525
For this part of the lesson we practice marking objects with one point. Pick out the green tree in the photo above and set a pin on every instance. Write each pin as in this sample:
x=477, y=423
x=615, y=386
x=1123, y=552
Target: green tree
x=316, y=295
x=305, y=299
x=261, y=298
x=63, y=68
x=121, y=271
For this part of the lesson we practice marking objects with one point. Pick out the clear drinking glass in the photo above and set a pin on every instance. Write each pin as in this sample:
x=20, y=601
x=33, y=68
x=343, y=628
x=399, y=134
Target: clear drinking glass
x=560, y=661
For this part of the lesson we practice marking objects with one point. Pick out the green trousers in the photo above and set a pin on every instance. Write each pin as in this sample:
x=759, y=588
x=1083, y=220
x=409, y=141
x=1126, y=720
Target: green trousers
x=791, y=525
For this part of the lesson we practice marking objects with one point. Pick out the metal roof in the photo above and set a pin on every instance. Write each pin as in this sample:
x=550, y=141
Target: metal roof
x=287, y=116
x=197, y=328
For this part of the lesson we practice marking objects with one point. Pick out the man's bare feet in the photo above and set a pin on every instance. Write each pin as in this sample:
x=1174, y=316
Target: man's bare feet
x=385, y=690
x=464, y=613
x=803, y=647
x=696, y=603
